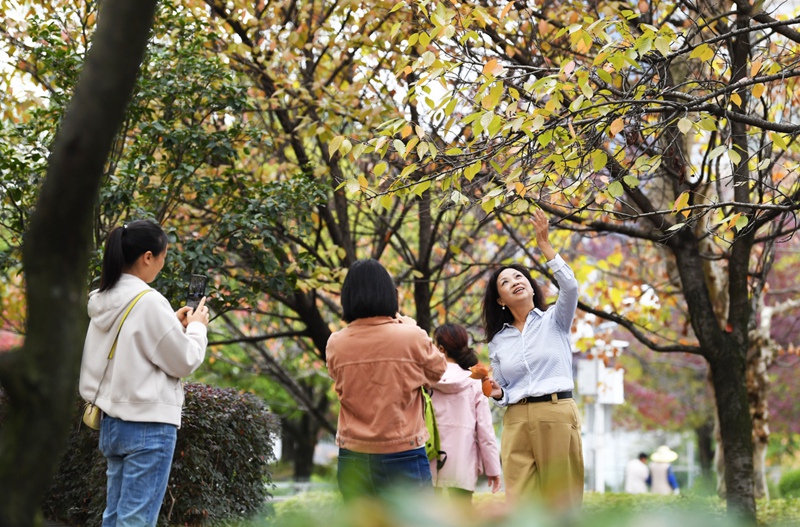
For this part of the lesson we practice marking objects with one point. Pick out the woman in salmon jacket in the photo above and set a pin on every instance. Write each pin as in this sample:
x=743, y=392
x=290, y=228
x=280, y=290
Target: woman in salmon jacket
x=463, y=418
x=378, y=364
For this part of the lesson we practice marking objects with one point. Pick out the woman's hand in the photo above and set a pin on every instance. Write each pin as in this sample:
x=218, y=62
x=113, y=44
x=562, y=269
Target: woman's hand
x=181, y=314
x=200, y=314
x=494, y=483
x=497, y=391
x=542, y=229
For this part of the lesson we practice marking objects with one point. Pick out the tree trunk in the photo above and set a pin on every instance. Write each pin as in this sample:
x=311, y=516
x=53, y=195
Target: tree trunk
x=305, y=444
x=705, y=450
x=726, y=351
x=736, y=431
x=41, y=378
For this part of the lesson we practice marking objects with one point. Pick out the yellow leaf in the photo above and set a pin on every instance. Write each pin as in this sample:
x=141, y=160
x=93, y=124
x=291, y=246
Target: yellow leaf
x=362, y=181
x=506, y=9
x=336, y=142
x=616, y=126
x=406, y=131
x=681, y=203
x=736, y=100
x=755, y=67
x=758, y=90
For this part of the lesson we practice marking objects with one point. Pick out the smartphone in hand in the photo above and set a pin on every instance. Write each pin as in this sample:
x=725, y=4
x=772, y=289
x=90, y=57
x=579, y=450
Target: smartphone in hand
x=196, y=290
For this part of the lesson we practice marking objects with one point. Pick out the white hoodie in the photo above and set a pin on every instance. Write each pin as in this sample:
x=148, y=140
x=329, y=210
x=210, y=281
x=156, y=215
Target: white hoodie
x=142, y=382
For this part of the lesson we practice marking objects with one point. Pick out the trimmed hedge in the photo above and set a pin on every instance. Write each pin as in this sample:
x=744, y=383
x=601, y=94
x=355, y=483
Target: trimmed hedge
x=219, y=470
x=789, y=485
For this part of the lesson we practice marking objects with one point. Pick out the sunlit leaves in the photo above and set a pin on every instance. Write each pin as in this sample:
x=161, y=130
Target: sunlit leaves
x=703, y=52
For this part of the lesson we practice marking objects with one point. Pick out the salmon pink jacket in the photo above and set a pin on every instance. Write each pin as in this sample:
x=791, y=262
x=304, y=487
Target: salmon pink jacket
x=465, y=430
x=378, y=365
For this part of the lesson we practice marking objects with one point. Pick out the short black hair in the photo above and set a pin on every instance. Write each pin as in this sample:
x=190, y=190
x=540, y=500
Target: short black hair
x=643, y=455
x=368, y=291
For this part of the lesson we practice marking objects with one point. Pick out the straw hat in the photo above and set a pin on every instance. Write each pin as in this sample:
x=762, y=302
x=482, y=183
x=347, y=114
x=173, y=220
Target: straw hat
x=663, y=454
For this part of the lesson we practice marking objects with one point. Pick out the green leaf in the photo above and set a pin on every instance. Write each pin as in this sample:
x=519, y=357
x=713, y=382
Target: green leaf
x=615, y=189
x=472, y=170
x=631, y=181
x=421, y=187
x=380, y=168
x=408, y=170
x=400, y=147
x=599, y=160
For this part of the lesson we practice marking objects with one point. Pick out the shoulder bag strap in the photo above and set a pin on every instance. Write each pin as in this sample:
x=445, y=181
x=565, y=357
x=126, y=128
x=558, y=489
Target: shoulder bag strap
x=114, y=345
x=124, y=316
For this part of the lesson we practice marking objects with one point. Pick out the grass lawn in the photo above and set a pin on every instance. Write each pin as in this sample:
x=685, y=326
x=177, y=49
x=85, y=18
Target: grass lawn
x=324, y=509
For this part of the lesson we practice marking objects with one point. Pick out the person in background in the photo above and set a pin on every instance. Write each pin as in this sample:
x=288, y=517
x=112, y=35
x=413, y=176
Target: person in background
x=637, y=475
x=378, y=364
x=138, y=387
x=662, y=479
x=531, y=358
x=464, y=420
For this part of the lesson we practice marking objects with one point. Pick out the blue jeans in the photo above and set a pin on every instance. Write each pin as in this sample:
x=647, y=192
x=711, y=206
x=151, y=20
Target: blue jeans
x=139, y=458
x=378, y=475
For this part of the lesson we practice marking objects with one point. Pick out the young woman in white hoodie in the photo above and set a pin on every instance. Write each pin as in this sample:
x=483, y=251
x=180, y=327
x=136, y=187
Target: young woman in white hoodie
x=132, y=371
x=463, y=418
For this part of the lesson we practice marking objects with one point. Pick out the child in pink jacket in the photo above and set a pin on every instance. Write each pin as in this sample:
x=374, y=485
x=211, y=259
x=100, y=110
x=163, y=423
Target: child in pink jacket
x=463, y=418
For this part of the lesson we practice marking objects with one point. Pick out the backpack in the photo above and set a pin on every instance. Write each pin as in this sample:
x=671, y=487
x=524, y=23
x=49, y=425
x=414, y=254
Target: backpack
x=433, y=446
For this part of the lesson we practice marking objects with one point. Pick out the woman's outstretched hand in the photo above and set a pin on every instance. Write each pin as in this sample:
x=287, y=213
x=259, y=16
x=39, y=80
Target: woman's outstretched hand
x=541, y=227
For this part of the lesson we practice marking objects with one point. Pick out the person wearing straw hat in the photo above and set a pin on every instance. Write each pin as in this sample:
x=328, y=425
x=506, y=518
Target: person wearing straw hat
x=662, y=479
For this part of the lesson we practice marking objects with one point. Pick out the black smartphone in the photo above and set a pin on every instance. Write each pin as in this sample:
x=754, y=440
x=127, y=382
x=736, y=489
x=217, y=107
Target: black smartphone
x=197, y=290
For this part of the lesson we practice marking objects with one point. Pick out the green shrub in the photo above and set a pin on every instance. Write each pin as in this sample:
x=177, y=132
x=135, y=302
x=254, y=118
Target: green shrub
x=789, y=485
x=219, y=471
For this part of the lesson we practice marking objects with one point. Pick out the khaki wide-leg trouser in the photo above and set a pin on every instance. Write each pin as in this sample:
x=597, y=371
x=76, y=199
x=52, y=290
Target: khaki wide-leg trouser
x=542, y=454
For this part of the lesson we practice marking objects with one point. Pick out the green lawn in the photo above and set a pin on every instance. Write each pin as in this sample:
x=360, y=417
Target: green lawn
x=324, y=509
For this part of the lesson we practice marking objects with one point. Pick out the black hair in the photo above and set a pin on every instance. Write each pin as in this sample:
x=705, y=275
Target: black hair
x=494, y=316
x=127, y=243
x=643, y=455
x=368, y=291
x=455, y=341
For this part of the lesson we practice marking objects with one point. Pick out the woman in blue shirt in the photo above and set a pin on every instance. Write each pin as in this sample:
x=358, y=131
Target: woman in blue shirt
x=531, y=358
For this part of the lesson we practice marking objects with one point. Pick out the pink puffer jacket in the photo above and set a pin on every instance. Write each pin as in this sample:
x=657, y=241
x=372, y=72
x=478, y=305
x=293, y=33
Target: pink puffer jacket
x=465, y=430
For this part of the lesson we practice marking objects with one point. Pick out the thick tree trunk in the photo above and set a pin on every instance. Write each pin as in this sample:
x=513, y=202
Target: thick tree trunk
x=725, y=350
x=736, y=431
x=41, y=378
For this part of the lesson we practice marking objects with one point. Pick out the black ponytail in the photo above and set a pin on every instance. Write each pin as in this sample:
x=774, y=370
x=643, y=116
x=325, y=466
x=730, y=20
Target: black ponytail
x=126, y=244
x=455, y=341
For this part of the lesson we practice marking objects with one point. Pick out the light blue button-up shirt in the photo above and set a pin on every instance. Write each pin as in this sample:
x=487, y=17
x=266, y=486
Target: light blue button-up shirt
x=538, y=360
